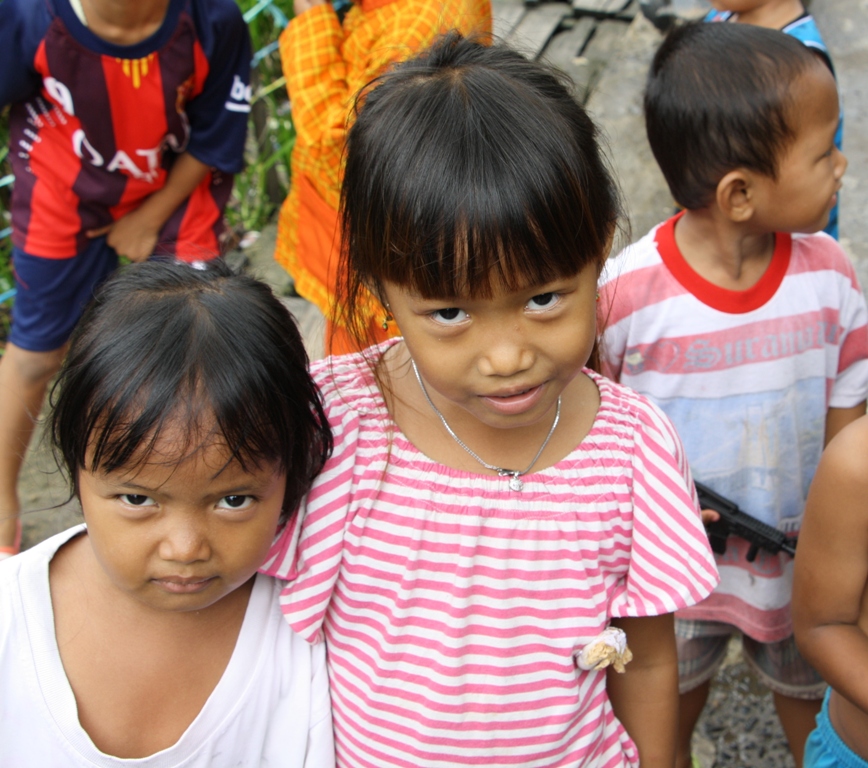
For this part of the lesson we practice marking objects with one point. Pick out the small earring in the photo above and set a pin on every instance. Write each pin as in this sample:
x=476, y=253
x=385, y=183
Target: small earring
x=598, y=297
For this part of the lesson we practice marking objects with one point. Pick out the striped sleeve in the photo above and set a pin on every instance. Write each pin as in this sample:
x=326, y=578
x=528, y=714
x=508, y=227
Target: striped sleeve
x=670, y=564
x=851, y=382
x=307, y=553
x=633, y=276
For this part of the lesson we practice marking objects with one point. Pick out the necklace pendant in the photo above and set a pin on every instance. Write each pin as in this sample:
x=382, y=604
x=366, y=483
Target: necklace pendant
x=515, y=484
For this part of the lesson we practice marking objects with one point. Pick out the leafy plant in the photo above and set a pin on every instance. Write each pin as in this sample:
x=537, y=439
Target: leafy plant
x=260, y=189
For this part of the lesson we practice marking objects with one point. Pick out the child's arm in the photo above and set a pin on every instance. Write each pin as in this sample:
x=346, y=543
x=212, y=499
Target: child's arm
x=831, y=567
x=645, y=697
x=321, y=83
x=135, y=235
x=838, y=418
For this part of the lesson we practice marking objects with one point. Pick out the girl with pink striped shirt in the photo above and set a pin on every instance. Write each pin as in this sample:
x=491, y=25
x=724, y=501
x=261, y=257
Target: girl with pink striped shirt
x=500, y=529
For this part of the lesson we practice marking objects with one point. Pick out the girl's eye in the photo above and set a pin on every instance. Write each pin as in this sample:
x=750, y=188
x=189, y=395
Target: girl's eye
x=235, y=502
x=137, y=500
x=449, y=315
x=543, y=301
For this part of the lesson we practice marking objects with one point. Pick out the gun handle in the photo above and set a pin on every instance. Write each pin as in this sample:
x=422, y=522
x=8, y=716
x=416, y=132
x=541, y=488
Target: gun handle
x=752, y=552
x=718, y=543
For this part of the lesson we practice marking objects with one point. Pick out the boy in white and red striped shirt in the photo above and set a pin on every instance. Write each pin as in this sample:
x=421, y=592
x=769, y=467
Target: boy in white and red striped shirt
x=744, y=326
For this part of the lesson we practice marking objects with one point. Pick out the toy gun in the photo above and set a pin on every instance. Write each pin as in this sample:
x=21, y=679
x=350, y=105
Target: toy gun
x=734, y=522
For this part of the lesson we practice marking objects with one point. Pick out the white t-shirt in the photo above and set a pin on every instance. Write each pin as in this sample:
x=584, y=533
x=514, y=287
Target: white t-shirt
x=270, y=708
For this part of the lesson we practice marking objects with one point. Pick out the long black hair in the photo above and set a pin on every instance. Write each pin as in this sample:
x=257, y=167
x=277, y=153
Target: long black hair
x=467, y=167
x=163, y=342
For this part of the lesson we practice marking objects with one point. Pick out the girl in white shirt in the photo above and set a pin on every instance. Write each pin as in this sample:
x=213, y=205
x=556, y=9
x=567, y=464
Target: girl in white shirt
x=190, y=429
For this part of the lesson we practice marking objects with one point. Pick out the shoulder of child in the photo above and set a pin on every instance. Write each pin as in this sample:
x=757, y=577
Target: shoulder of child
x=310, y=657
x=351, y=399
x=844, y=457
x=349, y=379
x=639, y=250
x=345, y=376
x=23, y=24
x=22, y=575
x=622, y=277
x=818, y=251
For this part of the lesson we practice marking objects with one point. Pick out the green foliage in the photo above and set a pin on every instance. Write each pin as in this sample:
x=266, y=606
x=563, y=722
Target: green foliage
x=262, y=186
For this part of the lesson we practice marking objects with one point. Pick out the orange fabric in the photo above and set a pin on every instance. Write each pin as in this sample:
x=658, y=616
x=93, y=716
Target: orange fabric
x=325, y=66
x=339, y=341
x=320, y=233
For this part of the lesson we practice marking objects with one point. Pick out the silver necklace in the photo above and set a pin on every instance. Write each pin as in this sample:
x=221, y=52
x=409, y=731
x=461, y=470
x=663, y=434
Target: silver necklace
x=514, y=475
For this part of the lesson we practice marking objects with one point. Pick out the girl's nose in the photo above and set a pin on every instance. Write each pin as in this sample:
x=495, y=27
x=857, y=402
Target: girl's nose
x=506, y=355
x=185, y=541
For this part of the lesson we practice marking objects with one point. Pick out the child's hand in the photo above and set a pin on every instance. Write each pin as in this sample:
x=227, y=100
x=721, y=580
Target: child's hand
x=132, y=236
x=709, y=516
x=135, y=235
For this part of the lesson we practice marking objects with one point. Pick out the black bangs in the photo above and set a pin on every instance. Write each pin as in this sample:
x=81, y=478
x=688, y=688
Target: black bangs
x=468, y=167
x=165, y=344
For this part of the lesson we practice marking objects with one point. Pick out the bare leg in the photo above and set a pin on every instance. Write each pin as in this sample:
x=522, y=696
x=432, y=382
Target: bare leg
x=24, y=376
x=797, y=716
x=690, y=708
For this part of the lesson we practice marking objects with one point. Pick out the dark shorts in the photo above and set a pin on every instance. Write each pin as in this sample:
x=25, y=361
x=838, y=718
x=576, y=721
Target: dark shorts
x=702, y=647
x=52, y=294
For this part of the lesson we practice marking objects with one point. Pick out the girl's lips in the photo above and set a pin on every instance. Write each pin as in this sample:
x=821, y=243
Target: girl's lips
x=512, y=405
x=179, y=586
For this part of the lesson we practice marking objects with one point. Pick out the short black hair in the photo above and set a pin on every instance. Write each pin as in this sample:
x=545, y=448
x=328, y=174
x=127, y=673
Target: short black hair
x=163, y=341
x=469, y=166
x=717, y=99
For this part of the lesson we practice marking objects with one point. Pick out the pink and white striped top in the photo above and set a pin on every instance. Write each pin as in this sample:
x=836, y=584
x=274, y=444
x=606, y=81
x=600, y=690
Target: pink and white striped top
x=453, y=608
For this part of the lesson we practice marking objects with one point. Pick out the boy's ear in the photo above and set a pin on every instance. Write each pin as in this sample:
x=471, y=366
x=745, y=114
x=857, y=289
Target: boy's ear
x=735, y=195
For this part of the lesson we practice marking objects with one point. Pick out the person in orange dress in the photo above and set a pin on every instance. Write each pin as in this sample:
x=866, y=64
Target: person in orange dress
x=326, y=62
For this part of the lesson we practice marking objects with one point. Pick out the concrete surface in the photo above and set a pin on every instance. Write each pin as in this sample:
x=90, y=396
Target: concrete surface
x=844, y=24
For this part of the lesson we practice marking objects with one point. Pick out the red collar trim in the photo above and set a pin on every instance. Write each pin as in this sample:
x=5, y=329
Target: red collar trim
x=722, y=299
